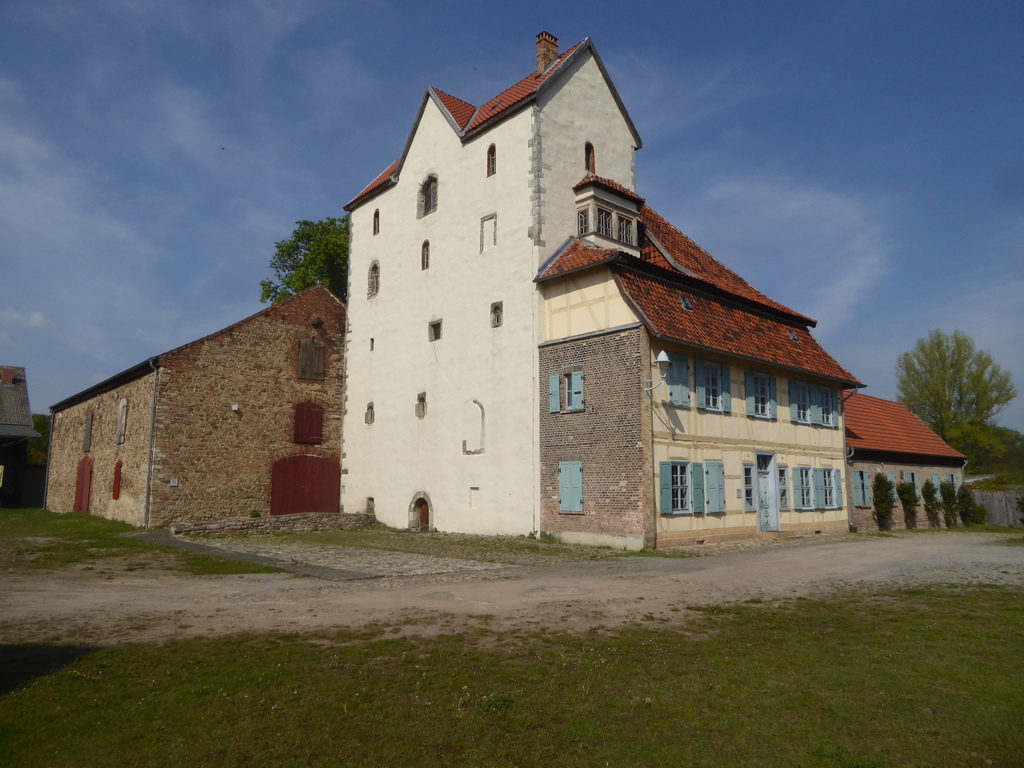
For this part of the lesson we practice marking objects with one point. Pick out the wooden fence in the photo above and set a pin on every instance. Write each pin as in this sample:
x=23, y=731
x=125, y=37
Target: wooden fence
x=1001, y=507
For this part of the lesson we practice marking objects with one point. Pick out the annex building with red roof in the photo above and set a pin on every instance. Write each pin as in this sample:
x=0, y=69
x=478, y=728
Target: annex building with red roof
x=883, y=436
x=538, y=350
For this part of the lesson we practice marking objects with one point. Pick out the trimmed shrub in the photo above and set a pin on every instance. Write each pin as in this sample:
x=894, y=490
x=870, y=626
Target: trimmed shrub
x=882, y=494
x=948, y=492
x=932, y=503
x=969, y=512
x=907, y=494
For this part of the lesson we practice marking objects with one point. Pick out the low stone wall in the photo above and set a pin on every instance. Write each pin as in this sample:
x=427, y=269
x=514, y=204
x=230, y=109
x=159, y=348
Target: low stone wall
x=310, y=521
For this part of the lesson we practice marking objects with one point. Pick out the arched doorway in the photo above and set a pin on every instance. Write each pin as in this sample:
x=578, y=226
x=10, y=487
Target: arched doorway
x=420, y=513
x=305, y=484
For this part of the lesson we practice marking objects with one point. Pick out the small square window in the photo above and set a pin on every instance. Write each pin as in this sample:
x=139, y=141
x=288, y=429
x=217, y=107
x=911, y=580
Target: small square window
x=497, y=314
x=434, y=330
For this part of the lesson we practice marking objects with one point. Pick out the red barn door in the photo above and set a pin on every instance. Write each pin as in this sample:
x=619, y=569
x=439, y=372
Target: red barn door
x=305, y=484
x=83, y=485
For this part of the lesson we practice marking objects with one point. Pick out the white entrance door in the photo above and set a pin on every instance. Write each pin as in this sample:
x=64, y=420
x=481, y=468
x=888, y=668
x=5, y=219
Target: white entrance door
x=767, y=497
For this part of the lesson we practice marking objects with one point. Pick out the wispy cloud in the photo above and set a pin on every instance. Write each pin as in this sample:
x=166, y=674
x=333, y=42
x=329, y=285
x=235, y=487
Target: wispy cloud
x=822, y=247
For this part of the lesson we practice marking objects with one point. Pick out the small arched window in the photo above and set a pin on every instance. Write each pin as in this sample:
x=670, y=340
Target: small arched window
x=588, y=158
x=122, y=420
x=425, y=255
x=373, y=280
x=428, y=196
x=492, y=160
x=376, y=221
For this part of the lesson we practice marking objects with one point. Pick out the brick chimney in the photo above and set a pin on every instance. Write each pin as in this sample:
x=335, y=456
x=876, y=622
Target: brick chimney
x=547, y=51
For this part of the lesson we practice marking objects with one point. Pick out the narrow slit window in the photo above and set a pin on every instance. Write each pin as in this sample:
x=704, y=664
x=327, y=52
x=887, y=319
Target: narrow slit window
x=376, y=221
x=434, y=330
x=373, y=280
x=425, y=255
x=492, y=160
x=421, y=405
x=589, y=161
x=497, y=314
x=369, y=416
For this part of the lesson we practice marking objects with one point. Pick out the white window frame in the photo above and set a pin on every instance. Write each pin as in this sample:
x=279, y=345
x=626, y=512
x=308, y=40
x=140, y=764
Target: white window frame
x=801, y=393
x=604, y=222
x=828, y=484
x=748, y=488
x=783, y=488
x=712, y=387
x=829, y=407
x=681, y=492
x=805, y=477
x=762, y=395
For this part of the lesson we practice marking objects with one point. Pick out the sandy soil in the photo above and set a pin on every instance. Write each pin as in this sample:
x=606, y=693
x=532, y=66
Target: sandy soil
x=117, y=601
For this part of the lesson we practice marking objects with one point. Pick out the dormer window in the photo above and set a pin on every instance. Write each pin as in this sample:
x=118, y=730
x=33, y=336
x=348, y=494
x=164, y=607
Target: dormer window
x=606, y=214
x=428, y=196
x=626, y=230
x=604, y=222
x=583, y=220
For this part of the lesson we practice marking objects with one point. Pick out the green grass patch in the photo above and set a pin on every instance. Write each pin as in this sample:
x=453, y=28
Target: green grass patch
x=922, y=678
x=37, y=539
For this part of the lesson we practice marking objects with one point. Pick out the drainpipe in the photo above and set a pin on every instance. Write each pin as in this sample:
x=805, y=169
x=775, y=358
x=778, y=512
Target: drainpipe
x=152, y=430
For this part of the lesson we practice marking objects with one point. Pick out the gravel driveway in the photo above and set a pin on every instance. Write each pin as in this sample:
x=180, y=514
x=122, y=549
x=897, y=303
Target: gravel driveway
x=346, y=588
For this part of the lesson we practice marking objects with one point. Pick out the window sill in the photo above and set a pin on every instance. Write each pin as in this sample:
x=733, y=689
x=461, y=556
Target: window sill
x=570, y=512
x=677, y=514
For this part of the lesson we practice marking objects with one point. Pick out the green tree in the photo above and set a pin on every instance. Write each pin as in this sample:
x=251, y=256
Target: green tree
x=39, y=447
x=957, y=390
x=907, y=494
x=317, y=252
x=948, y=492
x=932, y=503
x=883, y=495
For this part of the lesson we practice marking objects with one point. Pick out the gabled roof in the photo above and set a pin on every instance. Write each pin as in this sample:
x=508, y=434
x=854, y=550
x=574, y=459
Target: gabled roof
x=467, y=120
x=874, y=424
x=690, y=258
x=719, y=324
x=726, y=314
x=15, y=413
x=148, y=366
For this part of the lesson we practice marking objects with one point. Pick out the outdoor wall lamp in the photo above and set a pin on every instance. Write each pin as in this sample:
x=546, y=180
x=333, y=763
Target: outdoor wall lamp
x=663, y=363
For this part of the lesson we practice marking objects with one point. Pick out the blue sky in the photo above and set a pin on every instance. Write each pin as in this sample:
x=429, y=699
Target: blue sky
x=862, y=162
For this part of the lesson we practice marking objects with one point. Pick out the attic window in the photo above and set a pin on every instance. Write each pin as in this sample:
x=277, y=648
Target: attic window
x=793, y=337
x=685, y=302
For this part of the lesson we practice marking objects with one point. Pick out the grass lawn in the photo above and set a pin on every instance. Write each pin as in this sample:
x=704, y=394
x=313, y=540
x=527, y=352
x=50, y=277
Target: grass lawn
x=912, y=678
x=34, y=538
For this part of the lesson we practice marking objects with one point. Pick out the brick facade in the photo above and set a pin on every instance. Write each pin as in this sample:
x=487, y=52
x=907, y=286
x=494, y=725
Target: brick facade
x=610, y=436
x=223, y=414
x=862, y=517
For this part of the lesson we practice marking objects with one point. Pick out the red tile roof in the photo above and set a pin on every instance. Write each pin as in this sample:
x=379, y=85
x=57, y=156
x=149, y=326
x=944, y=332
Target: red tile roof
x=695, y=261
x=881, y=425
x=515, y=95
x=725, y=326
x=461, y=111
x=575, y=254
x=594, y=180
x=376, y=186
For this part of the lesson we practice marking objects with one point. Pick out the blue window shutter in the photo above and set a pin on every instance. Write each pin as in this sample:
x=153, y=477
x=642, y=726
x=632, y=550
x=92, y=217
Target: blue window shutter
x=935, y=482
x=815, y=405
x=701, y=401
x=750, y=392
x=793, y=386
x=715, y=474
x=576, y=486
x=554, y=394
x=867, y=488
x=697, y=486
x=892, y=479
x=678, y=380
x=665, y=485
x=840, y=491
x=726, y=390
x=796, y=501
x=819, y=488
x=773, y=405
x=858, y=488
x=576, y=381
x=563, y=486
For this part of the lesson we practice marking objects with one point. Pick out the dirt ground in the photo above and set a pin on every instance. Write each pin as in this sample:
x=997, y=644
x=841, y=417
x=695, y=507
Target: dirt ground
x=118, y=601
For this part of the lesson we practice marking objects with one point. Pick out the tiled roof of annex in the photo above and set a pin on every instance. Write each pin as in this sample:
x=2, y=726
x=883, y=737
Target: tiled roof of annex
x=726, y=313
x=592, y=179
x=875, y=424
x=470, y=118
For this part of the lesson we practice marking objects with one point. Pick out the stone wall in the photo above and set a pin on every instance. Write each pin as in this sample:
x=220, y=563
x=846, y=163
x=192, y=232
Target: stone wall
x=608, y=437
x=303, y=523
x=67, y=452
x=226, y=410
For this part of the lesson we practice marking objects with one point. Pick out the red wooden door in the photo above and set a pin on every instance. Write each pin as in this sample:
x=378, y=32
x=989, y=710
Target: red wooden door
x=305, y=484
x=83, y=485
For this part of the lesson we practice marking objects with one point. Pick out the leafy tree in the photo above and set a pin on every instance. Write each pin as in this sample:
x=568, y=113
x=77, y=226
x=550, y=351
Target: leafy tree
x=907, y=494
x=932, y=503
x=948, y=493
x=969, y=512
x=39, y=447
x=882, y=494
x=317, y=252
x=956, y=390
